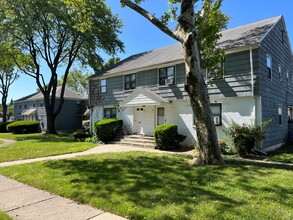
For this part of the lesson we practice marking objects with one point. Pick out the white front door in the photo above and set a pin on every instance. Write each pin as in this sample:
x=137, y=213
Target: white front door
x=138, y=120
x=144, y=120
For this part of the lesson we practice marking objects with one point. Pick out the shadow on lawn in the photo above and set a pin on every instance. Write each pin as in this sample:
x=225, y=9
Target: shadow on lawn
x=45, y=137
x=150, y=182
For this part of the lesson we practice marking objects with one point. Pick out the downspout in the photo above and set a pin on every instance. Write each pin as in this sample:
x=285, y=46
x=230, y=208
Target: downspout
x=251, y=72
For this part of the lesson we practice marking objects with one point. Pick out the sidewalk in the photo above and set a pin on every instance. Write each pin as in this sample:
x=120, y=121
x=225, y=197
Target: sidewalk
x=109, y=148
x=23, y=202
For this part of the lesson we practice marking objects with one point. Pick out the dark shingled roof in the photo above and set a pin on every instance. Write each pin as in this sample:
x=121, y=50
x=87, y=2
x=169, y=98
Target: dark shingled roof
x=242, y=36
x=68, y=94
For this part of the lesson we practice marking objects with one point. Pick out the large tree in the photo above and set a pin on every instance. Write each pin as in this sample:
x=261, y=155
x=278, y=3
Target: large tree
x=198, y=32
x=8, y=74
x=55, y=34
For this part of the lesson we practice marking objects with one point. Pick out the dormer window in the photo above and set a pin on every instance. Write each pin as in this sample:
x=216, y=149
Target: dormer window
x=167, y=76
x=269, y=67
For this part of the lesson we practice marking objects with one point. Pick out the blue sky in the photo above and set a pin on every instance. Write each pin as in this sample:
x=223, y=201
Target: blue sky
x=139, y=35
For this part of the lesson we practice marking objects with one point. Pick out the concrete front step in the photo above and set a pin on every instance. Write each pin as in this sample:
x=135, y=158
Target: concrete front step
x=136, y=141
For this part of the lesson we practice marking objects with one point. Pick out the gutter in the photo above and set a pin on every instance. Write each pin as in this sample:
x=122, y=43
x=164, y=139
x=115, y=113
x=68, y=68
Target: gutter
x=251, y=71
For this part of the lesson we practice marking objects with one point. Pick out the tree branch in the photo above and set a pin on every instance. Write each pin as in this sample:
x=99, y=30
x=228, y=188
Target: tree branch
x=155, y=21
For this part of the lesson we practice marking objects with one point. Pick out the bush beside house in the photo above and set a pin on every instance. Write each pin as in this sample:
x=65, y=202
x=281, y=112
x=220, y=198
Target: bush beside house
x=166, y=136
x=24, y=127
x=3, y=126
x=108, y=129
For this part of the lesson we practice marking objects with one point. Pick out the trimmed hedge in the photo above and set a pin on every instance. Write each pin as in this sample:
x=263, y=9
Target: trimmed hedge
x=3, y=127
x=107, y=129
x=24, y=127
x=166, y=136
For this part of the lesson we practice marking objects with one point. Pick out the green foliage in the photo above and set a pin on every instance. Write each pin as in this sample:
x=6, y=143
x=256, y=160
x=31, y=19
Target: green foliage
x=80, y=135
x=3, y=126
x=4, y=216
x=39, y=145
x=142, y=185
x=24, y=127
x=107, y=129
x=245, y=136
x=76, y=80
x=166, y=136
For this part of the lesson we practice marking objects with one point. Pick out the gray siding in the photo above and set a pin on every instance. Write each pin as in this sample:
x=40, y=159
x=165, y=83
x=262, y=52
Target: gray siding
x=237, y=82
x=237, y=76
x=275, y=91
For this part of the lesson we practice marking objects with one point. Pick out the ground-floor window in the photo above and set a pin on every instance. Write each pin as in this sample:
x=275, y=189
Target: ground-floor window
x=160, y=115
x=216, y=109
x=110, y=112
x=280, y=115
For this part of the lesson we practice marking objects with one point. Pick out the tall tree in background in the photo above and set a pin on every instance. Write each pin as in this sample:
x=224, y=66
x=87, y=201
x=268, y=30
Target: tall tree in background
x=8, y=74
x=198, y=32
x=77, y=79
x=56, y=33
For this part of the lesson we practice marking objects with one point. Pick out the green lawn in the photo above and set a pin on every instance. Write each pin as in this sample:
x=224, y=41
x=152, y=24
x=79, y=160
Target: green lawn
x=39, y=145
x=283, y=154
x=1, y=142
x=4, y=216
x=141, y=185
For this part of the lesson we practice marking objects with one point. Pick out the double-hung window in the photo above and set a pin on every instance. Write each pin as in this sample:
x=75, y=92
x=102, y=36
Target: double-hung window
x=129, y=81
x=103, y=86
x=110, y=112
x=167, y=76
x=269, y=67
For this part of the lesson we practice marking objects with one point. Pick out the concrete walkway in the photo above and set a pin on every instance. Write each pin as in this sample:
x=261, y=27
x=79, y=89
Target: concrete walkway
x=23, y=202
x=6, y=142
x=109, y=148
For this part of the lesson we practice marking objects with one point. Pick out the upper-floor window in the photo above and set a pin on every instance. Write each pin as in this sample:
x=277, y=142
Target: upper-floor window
x=103, y=85
x=110, y=112
x=167, y=76
x=19, y=106
x=280, y=72
x=129, y=81
x=269, y=67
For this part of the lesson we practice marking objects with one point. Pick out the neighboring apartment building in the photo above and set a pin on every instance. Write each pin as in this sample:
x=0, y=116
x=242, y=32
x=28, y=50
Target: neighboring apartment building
x=147, y=89
x=70, y=118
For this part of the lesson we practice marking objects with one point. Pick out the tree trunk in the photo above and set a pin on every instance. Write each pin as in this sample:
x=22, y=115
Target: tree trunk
x=4, y=108
x=50, y=116
x=208, y=148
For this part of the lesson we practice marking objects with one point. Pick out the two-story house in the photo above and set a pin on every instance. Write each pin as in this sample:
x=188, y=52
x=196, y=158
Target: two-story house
x=70, y=118
x=147, y=89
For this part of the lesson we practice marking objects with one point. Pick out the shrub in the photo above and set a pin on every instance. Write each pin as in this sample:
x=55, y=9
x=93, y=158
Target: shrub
x=107, y=129
x=24, y=127
x=3, y=126
x=80, y=135
x=245, y=136
x=166, y=136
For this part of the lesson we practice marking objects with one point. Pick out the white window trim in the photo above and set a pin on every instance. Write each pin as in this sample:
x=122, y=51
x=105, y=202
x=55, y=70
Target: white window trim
x=100, y=90
x=268, y=56
x=158, y=75
x=124, y=81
